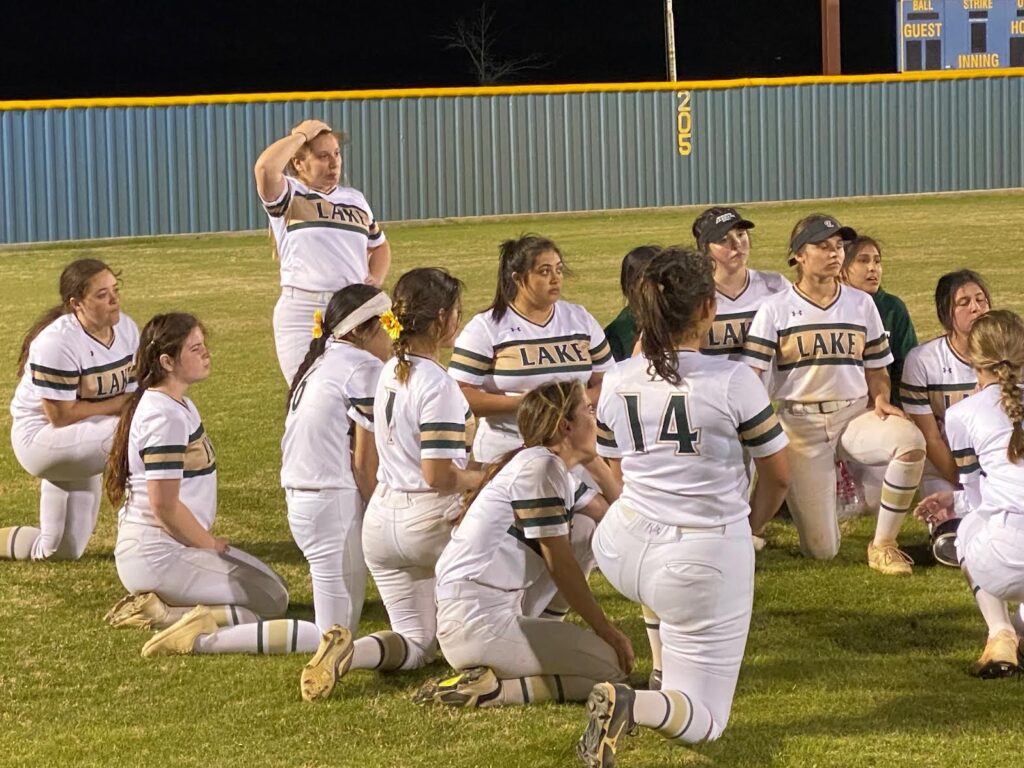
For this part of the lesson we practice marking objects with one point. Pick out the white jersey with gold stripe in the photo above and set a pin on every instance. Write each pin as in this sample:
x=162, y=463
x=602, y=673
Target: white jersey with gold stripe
x=735, y=313
x=978, y=431
x=935, y=377
x=514, y=355
x=66, y=363
x=322, y=237
x=167, y=441
x=337, y=390
x=496, y=545
x=817, y=353
x=681, y=445
x=427, y=417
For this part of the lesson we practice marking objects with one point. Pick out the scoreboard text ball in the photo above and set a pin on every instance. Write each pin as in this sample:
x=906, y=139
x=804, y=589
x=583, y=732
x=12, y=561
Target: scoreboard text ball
x=960, y=34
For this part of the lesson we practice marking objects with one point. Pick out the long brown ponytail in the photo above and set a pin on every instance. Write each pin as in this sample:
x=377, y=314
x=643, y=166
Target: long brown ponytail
x=420, y=296
x=666, y=302
x=162, y=335
x=74, y=283
x=516, y=257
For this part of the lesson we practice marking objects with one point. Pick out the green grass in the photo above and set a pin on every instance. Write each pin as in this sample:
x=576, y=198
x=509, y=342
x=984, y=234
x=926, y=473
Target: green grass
x=843, y=667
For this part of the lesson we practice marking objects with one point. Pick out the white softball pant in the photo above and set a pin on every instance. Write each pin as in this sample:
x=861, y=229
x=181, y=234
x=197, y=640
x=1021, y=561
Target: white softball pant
x=293, y=326
x=328, y=527
x=815, y=442
x=700, y=582
x=991, y=547
x=149, y=559
x=484, y=626
x=403, y=535
x=69, y=461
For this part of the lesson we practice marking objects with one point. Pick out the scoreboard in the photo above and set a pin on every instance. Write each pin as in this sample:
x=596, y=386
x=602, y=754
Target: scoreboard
x=960, y=34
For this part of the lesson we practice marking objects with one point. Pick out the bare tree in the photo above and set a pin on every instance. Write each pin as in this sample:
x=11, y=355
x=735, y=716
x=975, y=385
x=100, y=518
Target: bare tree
x=477, y=35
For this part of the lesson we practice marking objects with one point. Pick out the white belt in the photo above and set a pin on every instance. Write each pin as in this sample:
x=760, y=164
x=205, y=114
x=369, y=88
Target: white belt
x=827, y=406
x=319, y=297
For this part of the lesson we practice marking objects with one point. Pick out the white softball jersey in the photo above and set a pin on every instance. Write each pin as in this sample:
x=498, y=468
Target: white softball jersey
x=978, y=431
x=322, y=237
x=496, y=545
x=681, y=446
x=515, y=355
x=66, y=363
x=337, y=390
x=427, y=417
x=935, y=378
x=735, y=314
x=817, y=353
x=167, y=441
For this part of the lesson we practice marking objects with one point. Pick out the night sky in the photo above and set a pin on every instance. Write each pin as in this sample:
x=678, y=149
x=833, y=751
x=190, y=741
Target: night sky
x=113, y=48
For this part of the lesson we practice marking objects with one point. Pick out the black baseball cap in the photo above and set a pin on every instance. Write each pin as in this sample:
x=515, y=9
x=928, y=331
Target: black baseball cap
x=819, y=227
x=715, y=223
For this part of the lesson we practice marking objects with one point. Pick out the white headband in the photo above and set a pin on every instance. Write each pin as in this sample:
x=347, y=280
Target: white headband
x=375, y=307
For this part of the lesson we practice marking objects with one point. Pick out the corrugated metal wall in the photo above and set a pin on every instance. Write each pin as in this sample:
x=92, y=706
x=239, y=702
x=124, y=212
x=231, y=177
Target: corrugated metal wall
x=120, y=171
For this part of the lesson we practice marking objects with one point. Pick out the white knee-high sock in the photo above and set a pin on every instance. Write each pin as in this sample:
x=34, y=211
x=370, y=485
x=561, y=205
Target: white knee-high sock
x=16, y=542
x=53, y=510
x=384, y=651
x=653, y=624
x=993, y=610
x=674, y=715
x=898, y=489
x=224, y=615
x=537, y=688
x=262, y=637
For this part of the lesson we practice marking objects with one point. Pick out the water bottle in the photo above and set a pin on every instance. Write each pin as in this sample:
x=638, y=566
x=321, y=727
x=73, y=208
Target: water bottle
x=849, y=503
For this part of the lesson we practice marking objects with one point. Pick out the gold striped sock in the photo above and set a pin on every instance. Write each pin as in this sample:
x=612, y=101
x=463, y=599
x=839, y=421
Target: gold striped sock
x=393, y=650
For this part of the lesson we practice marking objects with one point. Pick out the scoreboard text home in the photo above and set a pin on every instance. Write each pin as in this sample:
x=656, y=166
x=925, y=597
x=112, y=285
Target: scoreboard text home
x=961, y=34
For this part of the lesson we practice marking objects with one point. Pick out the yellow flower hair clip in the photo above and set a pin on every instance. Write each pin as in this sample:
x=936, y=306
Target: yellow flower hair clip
x=392, y=327
x=318, y=324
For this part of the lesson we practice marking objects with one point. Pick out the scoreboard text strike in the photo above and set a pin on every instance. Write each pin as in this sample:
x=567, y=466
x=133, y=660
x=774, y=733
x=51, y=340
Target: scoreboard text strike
x=961, y=34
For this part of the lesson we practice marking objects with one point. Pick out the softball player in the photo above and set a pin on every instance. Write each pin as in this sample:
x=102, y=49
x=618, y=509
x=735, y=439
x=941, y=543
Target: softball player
x=986, y=436
x=938, y=375
x=827, y=349
x=422, y=424
x=326, y=235
x=329, y=460
x=75, y=369
x=518, y=544
x=675, y=424
x=724, y=235
x=621, y=332
x=163, y=466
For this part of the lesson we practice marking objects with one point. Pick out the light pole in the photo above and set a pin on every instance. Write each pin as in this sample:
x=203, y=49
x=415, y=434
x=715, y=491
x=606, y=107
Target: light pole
x=831, y=60
x=670, y=41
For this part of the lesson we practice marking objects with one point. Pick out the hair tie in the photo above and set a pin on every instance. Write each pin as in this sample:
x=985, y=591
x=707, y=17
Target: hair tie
x=392, y=327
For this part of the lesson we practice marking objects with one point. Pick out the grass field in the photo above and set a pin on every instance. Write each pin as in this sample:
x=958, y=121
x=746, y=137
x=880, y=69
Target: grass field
x=843, y=667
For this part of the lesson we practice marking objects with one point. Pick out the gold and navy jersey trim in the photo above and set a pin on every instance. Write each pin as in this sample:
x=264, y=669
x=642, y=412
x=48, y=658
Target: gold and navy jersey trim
x=471, y=362
x=200, y=458
x=328, y=224
x=877, y=349
x=52, y=378
x=760, y=429
x=364, y=405
x=759, y=349
x=966, y=461
x=550, y=510
x=569, y=353
x=602, y=353
x=278, y=209
x=126, y=360
x=161, y=457
x=442, y=435
x=605, y=436
x=938, y=397
x=728, y=333
x=815, y=344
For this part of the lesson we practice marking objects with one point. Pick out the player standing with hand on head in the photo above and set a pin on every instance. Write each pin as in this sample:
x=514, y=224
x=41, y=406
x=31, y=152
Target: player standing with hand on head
x=939, y=374
x=75, y=369
x=329, y=460
x=827, y=350
x=675, y=424
x=986, y=436
x=326, y=235
x=421, y=426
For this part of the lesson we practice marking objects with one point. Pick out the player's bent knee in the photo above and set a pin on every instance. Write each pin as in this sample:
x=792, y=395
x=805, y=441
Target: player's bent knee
x=419, y=654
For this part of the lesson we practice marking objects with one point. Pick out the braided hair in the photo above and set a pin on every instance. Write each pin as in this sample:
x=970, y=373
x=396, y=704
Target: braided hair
x=420, y=297
x=996, y=344
x=162, y=335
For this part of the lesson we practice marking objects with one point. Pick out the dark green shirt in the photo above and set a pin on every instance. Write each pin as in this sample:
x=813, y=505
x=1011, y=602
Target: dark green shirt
x=902, y=337
x=621, y=335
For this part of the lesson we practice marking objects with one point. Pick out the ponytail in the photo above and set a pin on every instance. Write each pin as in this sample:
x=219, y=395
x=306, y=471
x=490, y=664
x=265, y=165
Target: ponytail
x=116, y=479
x=421, y=295
x=996, y=344
x=1010, y=399
x=516, y=257
x=44, y=320
x=316, y=349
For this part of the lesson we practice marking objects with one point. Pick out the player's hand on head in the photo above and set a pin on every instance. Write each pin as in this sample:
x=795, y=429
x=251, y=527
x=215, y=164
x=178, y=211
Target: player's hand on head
x=935, y=509
x=884, y=409
x=310, y=129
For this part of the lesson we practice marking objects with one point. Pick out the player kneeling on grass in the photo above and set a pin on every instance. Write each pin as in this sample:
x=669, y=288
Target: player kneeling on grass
x=329, y=460
x=422, y=423
x=827, y=351
x=166, y=556
x=518, y=544
x=674, y=423
x=986, y=438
